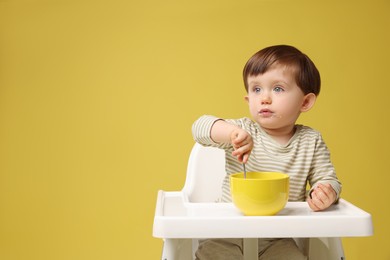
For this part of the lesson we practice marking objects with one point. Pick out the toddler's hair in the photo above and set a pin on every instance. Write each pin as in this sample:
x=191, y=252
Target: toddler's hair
x=307, y=76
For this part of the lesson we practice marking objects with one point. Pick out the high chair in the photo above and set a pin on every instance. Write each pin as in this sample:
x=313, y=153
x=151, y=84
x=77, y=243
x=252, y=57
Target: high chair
x=185, y=216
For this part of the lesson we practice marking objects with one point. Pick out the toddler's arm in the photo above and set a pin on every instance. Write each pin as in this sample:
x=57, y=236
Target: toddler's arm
x=326, y=187
x=213, y=131
x=241, y=140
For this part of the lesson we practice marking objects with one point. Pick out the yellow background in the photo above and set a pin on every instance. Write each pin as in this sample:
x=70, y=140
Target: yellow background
x=97, y=99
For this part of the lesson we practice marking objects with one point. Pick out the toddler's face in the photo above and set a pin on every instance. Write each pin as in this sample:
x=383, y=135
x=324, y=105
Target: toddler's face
x=274, y=98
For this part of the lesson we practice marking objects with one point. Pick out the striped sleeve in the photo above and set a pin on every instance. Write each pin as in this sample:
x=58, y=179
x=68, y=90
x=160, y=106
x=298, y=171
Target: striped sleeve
x=201, y=130
x=322, y=170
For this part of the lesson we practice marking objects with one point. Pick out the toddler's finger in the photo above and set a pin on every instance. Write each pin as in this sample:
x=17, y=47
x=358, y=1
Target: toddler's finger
x=321, y=195
x=329, y=189
x=245, y=157
x=327, y=193
x=312, y=205
x=319, y=199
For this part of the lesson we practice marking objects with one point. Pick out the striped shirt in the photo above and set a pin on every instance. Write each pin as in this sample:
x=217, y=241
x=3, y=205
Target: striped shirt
x=305, y=158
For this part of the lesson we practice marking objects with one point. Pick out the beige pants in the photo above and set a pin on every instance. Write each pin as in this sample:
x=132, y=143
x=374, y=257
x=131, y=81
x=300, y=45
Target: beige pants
x=232, y=248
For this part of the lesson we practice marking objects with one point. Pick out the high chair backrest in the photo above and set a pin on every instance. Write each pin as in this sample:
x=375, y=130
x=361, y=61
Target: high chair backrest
x=205, y=173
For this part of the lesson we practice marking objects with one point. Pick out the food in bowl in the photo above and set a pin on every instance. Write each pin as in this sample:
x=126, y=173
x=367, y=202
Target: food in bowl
x=260, y=193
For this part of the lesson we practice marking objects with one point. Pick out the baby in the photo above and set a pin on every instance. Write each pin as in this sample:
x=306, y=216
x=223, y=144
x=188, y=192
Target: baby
x=281, y=82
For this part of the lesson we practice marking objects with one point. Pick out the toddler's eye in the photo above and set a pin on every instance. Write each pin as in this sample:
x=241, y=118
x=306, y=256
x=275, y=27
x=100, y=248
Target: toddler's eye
x=256, y=89
x=278, y=89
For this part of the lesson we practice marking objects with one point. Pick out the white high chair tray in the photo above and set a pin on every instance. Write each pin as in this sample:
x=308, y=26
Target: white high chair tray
x=175, y=217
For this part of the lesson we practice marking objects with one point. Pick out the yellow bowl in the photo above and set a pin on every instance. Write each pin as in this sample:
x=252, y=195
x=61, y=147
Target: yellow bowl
x=260, y=193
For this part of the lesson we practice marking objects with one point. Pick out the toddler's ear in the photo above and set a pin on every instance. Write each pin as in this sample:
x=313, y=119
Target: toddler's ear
x=246, y=98
x=308, y=102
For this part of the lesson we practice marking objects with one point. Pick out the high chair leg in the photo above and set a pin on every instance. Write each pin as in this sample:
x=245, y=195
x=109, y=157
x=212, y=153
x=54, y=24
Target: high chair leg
x=250, y=249
x=326, y=248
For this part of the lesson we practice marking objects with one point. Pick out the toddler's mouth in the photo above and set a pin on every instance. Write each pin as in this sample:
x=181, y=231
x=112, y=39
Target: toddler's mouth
x=266, y=112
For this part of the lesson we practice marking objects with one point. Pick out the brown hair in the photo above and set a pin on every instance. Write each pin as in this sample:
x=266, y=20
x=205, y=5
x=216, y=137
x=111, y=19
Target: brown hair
x=307, y=76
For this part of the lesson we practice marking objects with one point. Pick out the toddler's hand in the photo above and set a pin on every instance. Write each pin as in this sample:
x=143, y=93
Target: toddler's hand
x=322, y=197
x=242, y=143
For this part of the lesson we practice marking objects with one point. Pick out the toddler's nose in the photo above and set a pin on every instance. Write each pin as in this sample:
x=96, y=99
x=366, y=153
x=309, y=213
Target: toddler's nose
x=265, y=100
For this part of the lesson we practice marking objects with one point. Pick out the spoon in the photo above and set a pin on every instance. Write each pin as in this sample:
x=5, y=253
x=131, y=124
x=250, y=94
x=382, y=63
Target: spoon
x=243, y=164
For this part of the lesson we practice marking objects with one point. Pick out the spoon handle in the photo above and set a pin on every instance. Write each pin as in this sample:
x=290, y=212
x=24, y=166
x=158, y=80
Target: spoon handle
x=243, y=164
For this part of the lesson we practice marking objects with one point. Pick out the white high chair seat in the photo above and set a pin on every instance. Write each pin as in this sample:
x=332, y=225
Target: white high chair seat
x=180, y=230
